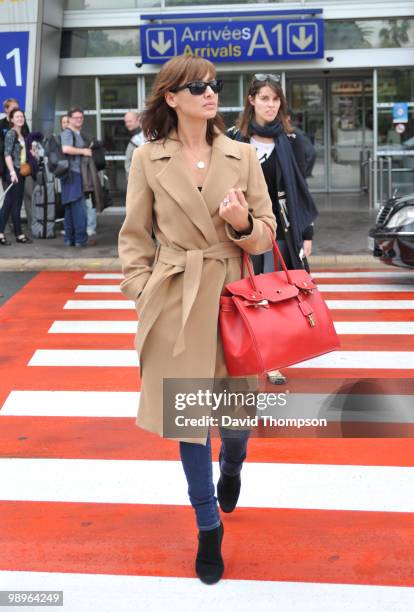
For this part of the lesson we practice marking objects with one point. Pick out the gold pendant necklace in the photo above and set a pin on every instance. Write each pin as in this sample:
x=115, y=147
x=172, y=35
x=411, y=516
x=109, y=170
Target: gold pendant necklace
x=199, y=163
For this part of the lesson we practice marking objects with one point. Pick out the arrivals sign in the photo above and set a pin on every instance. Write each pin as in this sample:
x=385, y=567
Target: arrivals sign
x=237, y=41
x=14, y=48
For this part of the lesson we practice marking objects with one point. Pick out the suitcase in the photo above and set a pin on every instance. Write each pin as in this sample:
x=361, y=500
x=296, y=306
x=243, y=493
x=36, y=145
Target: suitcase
x=43, y=205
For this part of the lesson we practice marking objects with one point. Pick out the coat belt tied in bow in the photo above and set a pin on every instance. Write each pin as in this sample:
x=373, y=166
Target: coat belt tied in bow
x=191, y=263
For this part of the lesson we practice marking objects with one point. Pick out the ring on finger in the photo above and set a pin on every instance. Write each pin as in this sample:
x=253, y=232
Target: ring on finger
x=226, y=201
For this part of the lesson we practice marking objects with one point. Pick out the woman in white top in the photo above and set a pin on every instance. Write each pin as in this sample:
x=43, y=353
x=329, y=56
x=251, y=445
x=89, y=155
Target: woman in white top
x=264, y=123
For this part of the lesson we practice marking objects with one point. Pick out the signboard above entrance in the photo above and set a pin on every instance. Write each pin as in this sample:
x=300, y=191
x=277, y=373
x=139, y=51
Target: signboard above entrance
x=13, y=65
x=255, y=40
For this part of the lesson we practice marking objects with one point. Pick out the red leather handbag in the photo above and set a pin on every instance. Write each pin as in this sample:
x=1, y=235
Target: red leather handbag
x=273, y=320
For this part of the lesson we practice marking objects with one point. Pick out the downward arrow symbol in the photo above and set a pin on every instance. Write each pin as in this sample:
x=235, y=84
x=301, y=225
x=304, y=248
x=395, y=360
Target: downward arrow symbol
x=161, y=46
x=302, y=41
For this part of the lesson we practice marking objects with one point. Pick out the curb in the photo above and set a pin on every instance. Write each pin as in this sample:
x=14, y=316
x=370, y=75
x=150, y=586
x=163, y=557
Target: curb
x=37, y=265
x=346, y=260
x=113, y=263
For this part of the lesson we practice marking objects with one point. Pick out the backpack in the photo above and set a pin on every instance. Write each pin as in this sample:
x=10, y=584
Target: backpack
x=57, y=161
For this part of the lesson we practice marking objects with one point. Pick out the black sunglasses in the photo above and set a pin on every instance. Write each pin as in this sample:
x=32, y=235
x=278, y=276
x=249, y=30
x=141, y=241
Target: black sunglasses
x=197, y=88
x=267, y=77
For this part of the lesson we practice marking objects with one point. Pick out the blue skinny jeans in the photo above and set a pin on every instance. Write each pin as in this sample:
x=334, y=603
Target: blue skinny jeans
x=198, y=468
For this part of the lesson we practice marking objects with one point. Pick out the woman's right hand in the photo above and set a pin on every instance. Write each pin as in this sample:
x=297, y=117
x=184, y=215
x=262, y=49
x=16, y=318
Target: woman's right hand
x=13, y=177
x=235, y=210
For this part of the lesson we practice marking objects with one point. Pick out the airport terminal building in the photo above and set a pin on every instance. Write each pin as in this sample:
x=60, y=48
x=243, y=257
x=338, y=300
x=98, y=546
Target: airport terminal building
x=347, y=70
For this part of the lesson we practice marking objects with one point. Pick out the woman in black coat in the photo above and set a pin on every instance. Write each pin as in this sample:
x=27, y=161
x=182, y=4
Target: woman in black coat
x=264, y=123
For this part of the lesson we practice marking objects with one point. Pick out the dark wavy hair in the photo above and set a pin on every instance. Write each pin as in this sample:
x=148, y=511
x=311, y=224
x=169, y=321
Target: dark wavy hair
x=247, y=114
x=13, y=112
x=158, y=119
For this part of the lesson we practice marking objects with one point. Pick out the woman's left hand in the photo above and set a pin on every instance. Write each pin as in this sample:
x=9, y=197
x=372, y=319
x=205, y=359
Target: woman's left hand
x=307, y=247
x=235, y=210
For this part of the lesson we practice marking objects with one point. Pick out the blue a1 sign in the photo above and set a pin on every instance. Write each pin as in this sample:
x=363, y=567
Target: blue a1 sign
x=14, y=47
x=238, y=41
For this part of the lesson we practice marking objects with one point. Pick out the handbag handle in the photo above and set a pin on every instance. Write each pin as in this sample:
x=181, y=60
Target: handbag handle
x=277, y=256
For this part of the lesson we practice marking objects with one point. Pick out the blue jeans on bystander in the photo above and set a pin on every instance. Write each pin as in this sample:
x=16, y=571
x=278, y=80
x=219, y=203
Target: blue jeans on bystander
x=75, y=223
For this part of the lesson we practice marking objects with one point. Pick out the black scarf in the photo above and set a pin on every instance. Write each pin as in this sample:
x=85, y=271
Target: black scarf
x=300, y=205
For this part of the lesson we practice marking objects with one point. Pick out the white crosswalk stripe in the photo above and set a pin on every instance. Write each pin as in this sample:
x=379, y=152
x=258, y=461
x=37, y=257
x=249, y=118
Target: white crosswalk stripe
x=339, y=408
x=329, y=487
x=93, y=327
x=98, y=289
x=332, y=305
x=398, y=360
x=103, y=275
x=324, y=288
x=406, y=275
x=99, y=305
x=85, y=358
x=109, y=593
x=403, y=360
x=364, y=288
x=389, y=328
x=370, y=304
x=71, y=403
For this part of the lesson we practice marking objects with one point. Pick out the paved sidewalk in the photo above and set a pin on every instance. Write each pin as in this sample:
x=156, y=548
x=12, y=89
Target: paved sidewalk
x=340, y=240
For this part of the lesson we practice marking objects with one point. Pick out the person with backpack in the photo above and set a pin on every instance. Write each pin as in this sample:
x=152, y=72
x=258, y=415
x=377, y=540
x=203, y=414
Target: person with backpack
x=73, y=198
x=133, y=125
x=16, y=169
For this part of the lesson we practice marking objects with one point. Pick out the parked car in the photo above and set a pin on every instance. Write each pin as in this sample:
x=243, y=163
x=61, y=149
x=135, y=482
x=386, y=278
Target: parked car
x=392, y=238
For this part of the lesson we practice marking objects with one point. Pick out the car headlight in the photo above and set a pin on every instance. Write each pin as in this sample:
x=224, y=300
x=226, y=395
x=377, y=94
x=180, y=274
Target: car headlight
x=405, y=216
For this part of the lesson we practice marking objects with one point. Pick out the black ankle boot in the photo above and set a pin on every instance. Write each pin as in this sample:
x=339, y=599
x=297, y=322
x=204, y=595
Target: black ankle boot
x=228, y=491
x=209, y=564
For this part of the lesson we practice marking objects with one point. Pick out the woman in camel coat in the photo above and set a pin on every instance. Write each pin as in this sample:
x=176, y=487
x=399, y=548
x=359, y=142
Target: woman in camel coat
x=204, y=197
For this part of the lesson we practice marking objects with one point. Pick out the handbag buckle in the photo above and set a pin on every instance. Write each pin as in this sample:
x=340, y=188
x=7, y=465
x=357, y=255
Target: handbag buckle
x=311, y=320
x=262, y=303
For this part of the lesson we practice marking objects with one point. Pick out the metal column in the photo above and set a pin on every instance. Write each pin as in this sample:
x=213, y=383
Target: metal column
x=375, y=138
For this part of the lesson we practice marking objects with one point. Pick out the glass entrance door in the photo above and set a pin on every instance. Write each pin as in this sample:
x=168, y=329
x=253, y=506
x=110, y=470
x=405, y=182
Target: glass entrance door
x=336, y=114
x=351, y=135
x=306, y=100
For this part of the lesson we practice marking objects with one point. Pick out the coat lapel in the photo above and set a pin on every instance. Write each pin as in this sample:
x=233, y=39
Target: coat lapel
x=224, y=172
x=177, y=182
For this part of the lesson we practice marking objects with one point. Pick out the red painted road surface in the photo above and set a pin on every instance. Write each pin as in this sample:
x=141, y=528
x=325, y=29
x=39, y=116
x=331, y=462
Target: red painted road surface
x=318, y=545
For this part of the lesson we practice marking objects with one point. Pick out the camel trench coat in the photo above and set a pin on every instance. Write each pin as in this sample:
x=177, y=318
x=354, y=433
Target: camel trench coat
x=177, y=280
